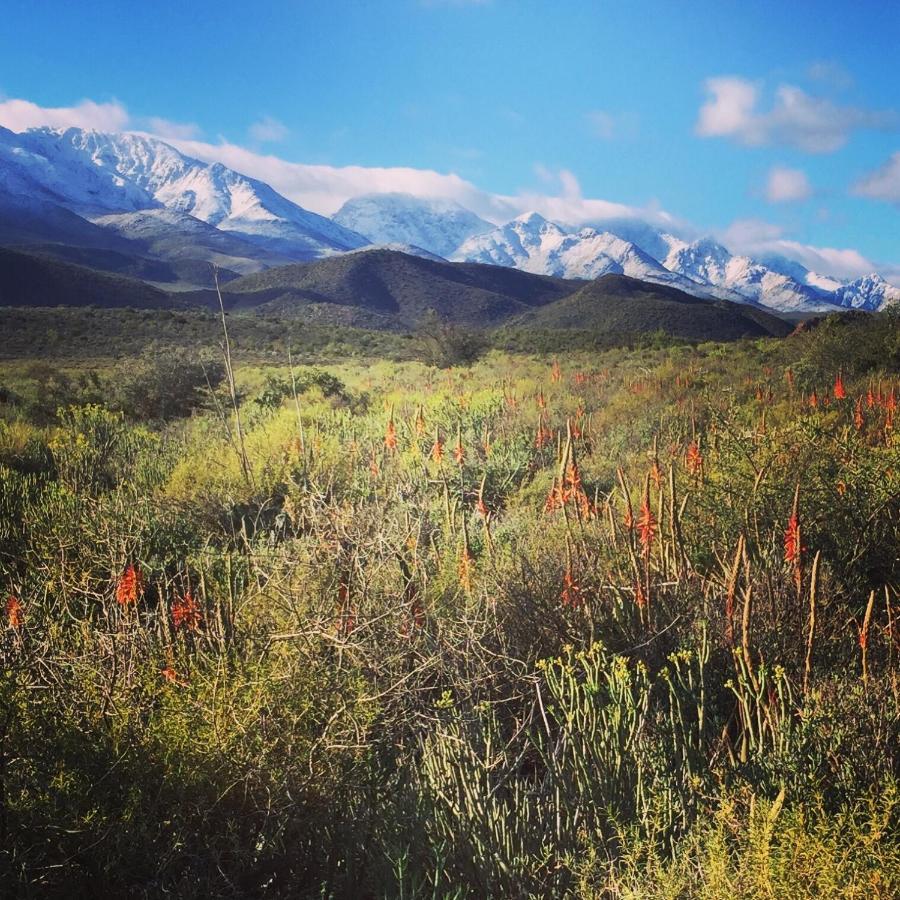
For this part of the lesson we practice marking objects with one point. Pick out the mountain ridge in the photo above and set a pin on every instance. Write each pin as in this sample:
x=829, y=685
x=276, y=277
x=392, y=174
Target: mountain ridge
x=135, y=201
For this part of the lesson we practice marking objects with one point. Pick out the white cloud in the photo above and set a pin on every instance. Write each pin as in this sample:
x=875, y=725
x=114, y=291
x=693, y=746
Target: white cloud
x=268, y=130
x=742, y=234
x=166, y=129
x=883, y=183
x=796, y=119
x=325, y=188
x=754, y=237
x=786, y=185
x=729, y=109
x=19, y=115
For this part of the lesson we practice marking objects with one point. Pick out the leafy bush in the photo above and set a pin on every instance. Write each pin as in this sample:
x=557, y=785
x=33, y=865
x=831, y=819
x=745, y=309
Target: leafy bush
x=163, y=386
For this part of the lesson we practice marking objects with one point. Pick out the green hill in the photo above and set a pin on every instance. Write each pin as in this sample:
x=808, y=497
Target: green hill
x=389, y=289
x=619, y=305
x=30, y=280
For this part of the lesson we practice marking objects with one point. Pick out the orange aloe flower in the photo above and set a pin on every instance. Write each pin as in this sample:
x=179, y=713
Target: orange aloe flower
x=640, y=598
x=390, y=435
x=14, y=612
x=555, y=371
x=130, y=586
x=459, y=453
x=858, y=419
x=571, y=592
x=792, y=546
x=186, y=612
x=694, y=459
x=437, y=449
x=839, y=392
x=646, y=524
x=543, y=435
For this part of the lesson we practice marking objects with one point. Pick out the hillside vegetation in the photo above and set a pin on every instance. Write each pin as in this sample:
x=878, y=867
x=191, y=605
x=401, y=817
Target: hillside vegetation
x=585, y=624
x=29, y=280
x=387, y=290
x=617, y=304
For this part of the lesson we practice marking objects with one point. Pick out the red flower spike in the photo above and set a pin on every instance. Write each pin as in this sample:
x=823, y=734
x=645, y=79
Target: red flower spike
x=839, y=392
x=694, y=459
x=390, y=436
x=130, y=586
x=186, y=613
x=646, y=525
x=571, y=593
x=14, y=612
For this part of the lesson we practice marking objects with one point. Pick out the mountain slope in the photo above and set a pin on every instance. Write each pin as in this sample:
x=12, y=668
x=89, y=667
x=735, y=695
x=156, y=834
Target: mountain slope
x=387, y=289
x=739, y=277
x=28, y=280
x=94, y=174
x=533, y=244
x=438, y=226
x=172, y=235
x=871, y=292
x=617, y=304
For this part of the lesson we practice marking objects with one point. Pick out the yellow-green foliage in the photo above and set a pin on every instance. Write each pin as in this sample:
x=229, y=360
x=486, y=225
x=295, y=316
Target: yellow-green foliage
x=556, y=658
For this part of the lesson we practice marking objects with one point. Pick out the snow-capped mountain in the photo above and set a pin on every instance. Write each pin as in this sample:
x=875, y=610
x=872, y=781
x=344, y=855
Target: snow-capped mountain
x=137, y=196
x=94, y=174
x=870, y=292
x=739, y=277
x=438, y=226
x=176, y=235
x=703, y=267
x=533, y=244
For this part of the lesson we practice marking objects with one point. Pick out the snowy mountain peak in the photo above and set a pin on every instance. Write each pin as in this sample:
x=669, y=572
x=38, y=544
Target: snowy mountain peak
x=437, y=225
x=93, y=174
x=870, y=292
x=532, y=220
x=534, y=244
x=143, y=190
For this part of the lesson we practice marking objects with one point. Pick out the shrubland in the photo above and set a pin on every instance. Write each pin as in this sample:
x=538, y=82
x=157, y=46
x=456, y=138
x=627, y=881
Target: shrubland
x=569, y=622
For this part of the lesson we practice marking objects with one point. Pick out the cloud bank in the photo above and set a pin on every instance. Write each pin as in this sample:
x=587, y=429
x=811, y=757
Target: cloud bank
x=753, y=237
x=19, y=115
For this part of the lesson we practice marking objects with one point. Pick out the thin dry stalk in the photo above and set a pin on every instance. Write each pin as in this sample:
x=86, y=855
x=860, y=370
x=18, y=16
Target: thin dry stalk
x=813, y=584
x=232, y=390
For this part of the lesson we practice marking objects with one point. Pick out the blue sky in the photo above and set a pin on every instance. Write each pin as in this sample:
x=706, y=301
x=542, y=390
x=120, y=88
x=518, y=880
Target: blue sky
x=769, y=124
